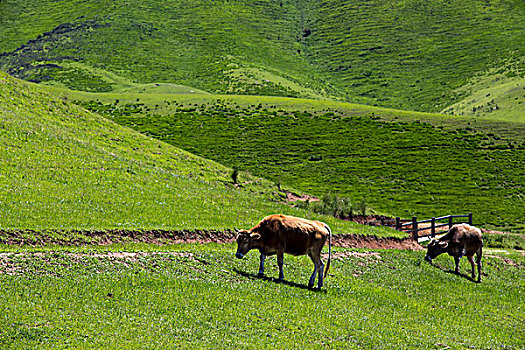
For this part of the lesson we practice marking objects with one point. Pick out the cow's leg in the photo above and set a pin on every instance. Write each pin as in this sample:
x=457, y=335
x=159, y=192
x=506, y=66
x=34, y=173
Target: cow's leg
x=456, y=260
x=478, y=261
x=312, y=277
x=471, y=259
x=261, y=265
x=318, y=270
x=321, y=271
x=280, y=262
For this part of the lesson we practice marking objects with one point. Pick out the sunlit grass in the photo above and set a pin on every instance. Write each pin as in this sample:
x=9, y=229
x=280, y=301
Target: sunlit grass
x=200, y=296
x=409, y=55
x=396, y=163
x=65, y=168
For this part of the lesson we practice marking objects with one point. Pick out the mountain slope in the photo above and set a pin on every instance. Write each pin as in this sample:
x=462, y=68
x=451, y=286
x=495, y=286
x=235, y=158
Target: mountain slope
x=405, y=54
x=63, y=167
x=401, y=163
x=412, y=54
x=218, y=46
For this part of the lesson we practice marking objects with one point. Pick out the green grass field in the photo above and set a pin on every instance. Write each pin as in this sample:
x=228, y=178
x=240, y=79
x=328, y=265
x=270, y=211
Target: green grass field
x=200, y=296
x=127, y=145
x=496, y=95
x=65, y=168
x=398, y=164
x=412, y=55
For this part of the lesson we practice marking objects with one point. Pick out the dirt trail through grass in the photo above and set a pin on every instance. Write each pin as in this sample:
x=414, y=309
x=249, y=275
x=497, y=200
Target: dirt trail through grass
x=106, y=237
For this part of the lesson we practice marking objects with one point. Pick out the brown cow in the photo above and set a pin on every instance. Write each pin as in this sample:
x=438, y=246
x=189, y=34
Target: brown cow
x=460, y=240
x=279, y=234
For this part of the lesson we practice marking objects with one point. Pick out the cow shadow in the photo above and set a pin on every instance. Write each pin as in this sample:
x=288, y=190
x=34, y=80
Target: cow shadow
x=453, y=272
x=255, y=276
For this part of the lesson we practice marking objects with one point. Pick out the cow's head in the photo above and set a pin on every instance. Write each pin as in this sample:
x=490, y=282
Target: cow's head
x=245, y=241
x=434, y=248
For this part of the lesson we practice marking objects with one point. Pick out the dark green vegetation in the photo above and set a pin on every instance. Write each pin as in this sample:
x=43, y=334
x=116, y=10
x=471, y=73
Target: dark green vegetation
x=238, y=46
x=407, y=54
x=62, y=167
x=198, y=296
x=505, y=241
x=411, y=54
x=402, y=167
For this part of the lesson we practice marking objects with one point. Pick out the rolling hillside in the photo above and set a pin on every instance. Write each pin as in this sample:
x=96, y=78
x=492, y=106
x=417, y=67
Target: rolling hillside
x=400, y=163
x=62, y=167
x=135, y=135
x=413, y=55
x=183, y=57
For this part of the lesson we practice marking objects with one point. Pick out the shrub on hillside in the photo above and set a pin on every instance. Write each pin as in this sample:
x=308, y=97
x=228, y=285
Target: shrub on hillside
x=339, y=207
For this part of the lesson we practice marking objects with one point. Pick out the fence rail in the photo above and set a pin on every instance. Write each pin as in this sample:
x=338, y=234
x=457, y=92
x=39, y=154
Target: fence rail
x=414, y=228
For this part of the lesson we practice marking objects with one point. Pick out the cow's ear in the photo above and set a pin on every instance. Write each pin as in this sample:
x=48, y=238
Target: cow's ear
x=236, y=230
x=255, y=236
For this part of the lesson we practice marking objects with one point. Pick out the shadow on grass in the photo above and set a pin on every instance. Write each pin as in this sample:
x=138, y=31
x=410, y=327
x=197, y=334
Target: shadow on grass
x=453, y=272
x=254, y=276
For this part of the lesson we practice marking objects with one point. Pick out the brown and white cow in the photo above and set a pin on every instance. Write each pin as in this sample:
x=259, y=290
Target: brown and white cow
x=460, y=240
x=279, y=234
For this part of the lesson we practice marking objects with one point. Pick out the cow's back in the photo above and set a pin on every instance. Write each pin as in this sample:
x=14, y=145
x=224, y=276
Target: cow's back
x=295, y=235
x=466, y=237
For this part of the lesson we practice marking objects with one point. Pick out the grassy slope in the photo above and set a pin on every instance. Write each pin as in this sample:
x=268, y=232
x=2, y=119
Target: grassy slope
x=494, y=95
x=200, y=296
x=63, y=167
x=412, y=54
x=405, y=54
x=398, y=164
x=212, y=45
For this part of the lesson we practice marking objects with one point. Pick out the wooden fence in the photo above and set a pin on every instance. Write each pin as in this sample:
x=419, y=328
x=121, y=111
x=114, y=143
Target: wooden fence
x=414, y=225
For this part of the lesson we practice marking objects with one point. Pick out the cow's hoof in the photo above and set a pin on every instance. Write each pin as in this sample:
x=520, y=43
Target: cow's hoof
x=310, y=286
x=260, y=274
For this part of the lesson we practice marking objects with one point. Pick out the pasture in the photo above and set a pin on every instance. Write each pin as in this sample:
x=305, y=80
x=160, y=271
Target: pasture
x=118, y=197
x=411, y=55
x=199, y=296
x=396, y=163
x=64, y=168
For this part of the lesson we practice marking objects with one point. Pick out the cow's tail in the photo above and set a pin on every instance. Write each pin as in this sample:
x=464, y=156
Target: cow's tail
x=329, y=250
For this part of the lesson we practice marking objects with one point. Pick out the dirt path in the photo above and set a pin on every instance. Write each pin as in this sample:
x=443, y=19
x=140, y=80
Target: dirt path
x=372, y=242
x=105, y=237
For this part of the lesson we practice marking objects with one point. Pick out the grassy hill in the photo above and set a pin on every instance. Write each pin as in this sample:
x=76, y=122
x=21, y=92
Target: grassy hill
x=220, y=46
x=452, y=57
x=145, y=106
x=414, y=55
x=62, y=167
x=494, y=95
x=400, y=163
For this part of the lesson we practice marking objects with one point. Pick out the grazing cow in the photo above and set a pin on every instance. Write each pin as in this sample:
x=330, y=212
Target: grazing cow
x=460, y=240
x=279, y=234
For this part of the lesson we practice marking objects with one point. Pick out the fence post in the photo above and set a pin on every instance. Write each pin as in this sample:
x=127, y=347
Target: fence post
x=433, y=228
x=449, y=222
x=414, y=228
x=470, y=218
x=398, y=223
